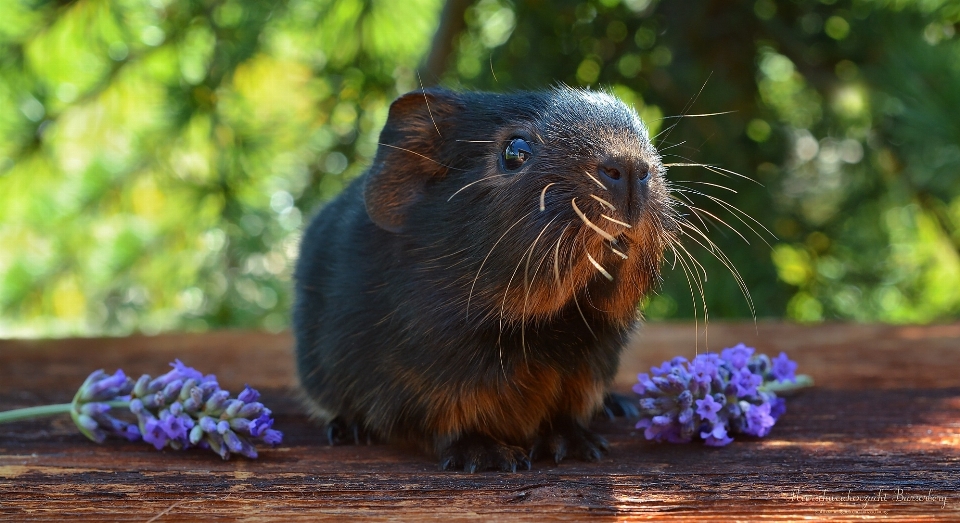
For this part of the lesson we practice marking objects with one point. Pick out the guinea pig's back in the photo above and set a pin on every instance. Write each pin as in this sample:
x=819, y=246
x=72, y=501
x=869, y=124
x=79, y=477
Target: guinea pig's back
x=329, y=295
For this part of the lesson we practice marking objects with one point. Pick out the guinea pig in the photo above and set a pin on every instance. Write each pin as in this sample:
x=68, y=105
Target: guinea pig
x=473, y=290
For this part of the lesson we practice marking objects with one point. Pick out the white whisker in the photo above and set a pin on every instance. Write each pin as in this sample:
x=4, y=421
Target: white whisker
x=470, y=294
x=600, y=268
x=712, y=168
x=717, y=253
x=603, y=202
x=474, y=182
x=543, y=197
x=420, y=155
x=602, y=186
x=697, y=115
x=598, y=230
x=618, y=253
x=724, y=187
x=618, y=222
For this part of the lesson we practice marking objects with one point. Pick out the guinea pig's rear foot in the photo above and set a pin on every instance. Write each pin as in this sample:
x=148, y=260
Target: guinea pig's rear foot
x=475, y=452
x=564, y=438
x=340, y=431
x=615, y=405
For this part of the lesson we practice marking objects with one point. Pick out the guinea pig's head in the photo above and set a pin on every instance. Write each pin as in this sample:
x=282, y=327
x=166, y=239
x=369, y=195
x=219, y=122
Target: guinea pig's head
x=517, y=206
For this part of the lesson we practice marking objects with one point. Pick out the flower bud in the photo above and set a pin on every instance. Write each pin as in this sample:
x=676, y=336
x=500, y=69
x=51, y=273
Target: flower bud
x=248, y=395
x=251, y=410
x=233, y=407
x=208, y=424
x=196, y=434
x=171, y=391
x=217, y=401
x=140, y=388
x=240, y=424
x=187, y=387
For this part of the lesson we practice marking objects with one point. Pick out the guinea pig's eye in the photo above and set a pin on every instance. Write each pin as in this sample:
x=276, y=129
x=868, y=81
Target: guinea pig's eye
x=515, y=154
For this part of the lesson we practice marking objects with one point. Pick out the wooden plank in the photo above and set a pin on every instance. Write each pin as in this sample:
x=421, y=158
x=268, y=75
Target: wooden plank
x=878, y=438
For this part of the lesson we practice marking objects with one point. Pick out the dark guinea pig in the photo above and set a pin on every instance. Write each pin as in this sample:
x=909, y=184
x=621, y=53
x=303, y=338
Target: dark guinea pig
x=473, y=290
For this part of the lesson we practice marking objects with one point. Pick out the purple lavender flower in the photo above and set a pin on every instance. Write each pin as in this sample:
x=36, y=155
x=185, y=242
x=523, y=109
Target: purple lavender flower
x=708, y=407
x=249, y=395
x=154, y=433
x=746, y=382
x=759, y=420
x=716, y=436
x=180, y=409
x=783, y=368
x=272, y=437
x=737, y=355
x=100, y=386
x=713, y=396
x=260, y=425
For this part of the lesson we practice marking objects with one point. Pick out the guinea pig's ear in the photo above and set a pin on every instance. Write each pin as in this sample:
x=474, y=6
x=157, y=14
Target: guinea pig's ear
x=408, y=155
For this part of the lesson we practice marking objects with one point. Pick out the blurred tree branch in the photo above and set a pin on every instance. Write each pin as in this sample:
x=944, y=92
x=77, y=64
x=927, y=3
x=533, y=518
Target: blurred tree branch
x=451, y=25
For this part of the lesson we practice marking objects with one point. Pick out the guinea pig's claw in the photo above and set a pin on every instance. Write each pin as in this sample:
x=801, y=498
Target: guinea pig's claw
x=479, y=452
x=563, y=439
x=339, y=430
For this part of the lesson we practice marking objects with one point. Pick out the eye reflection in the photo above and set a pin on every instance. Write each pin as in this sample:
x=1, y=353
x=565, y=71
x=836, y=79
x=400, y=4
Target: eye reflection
x=515, y=154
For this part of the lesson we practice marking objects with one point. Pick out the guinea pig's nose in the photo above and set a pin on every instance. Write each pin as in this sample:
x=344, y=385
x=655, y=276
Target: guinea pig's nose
x=617, y=176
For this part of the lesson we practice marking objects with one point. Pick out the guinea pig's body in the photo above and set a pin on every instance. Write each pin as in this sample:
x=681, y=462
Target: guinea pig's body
x=473, y=290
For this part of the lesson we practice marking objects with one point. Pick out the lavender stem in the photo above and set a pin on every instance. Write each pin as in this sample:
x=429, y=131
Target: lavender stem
x=47, y=410
x=787, y=388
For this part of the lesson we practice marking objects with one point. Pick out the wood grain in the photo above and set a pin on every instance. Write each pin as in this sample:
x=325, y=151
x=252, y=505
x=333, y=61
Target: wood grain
x=877, y=438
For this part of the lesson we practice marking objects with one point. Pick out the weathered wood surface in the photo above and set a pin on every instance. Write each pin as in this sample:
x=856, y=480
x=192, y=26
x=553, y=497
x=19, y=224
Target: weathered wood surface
x=877, y=438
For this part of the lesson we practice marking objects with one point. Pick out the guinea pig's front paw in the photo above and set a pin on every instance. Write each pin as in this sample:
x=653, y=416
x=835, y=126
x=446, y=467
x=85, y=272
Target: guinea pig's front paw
x=618, y=405
x=567, y=438
x=475, y=452
x=340, y=431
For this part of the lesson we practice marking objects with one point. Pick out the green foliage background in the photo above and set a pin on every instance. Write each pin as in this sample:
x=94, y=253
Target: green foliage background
x=158, y=159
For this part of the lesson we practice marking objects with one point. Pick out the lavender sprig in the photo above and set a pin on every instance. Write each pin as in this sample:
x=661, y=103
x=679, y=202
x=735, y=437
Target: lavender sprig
x=181, y=409
x=715, y=396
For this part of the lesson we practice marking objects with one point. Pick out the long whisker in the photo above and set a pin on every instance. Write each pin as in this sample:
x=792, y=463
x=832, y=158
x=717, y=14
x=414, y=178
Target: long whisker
x=576, y=301
x=734, y=210
x=697, y=115
x=701, y=270
x=717, y=253
x=420, y=155
x=671, y=146
x=724, y=187
x=603, y=202
x=715, y=217
x=556, y=256
x=474, y=182
x=693, y=300
x=688, y=273
x=543, y=196
x=731, y=208
x=600, y=268
x=669, y=130
x=618, y=222
x=677, y=195
x=604, y=234
x=526, y=284
x=430, y=112
x=470, y=294
x=712, y=168
x=602, y=186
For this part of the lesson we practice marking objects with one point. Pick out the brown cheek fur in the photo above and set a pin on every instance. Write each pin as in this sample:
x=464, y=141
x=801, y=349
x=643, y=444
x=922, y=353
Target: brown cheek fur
x=541, y=295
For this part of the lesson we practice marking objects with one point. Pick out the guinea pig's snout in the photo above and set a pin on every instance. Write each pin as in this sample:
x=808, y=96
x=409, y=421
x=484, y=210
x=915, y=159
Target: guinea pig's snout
x=626, y=180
